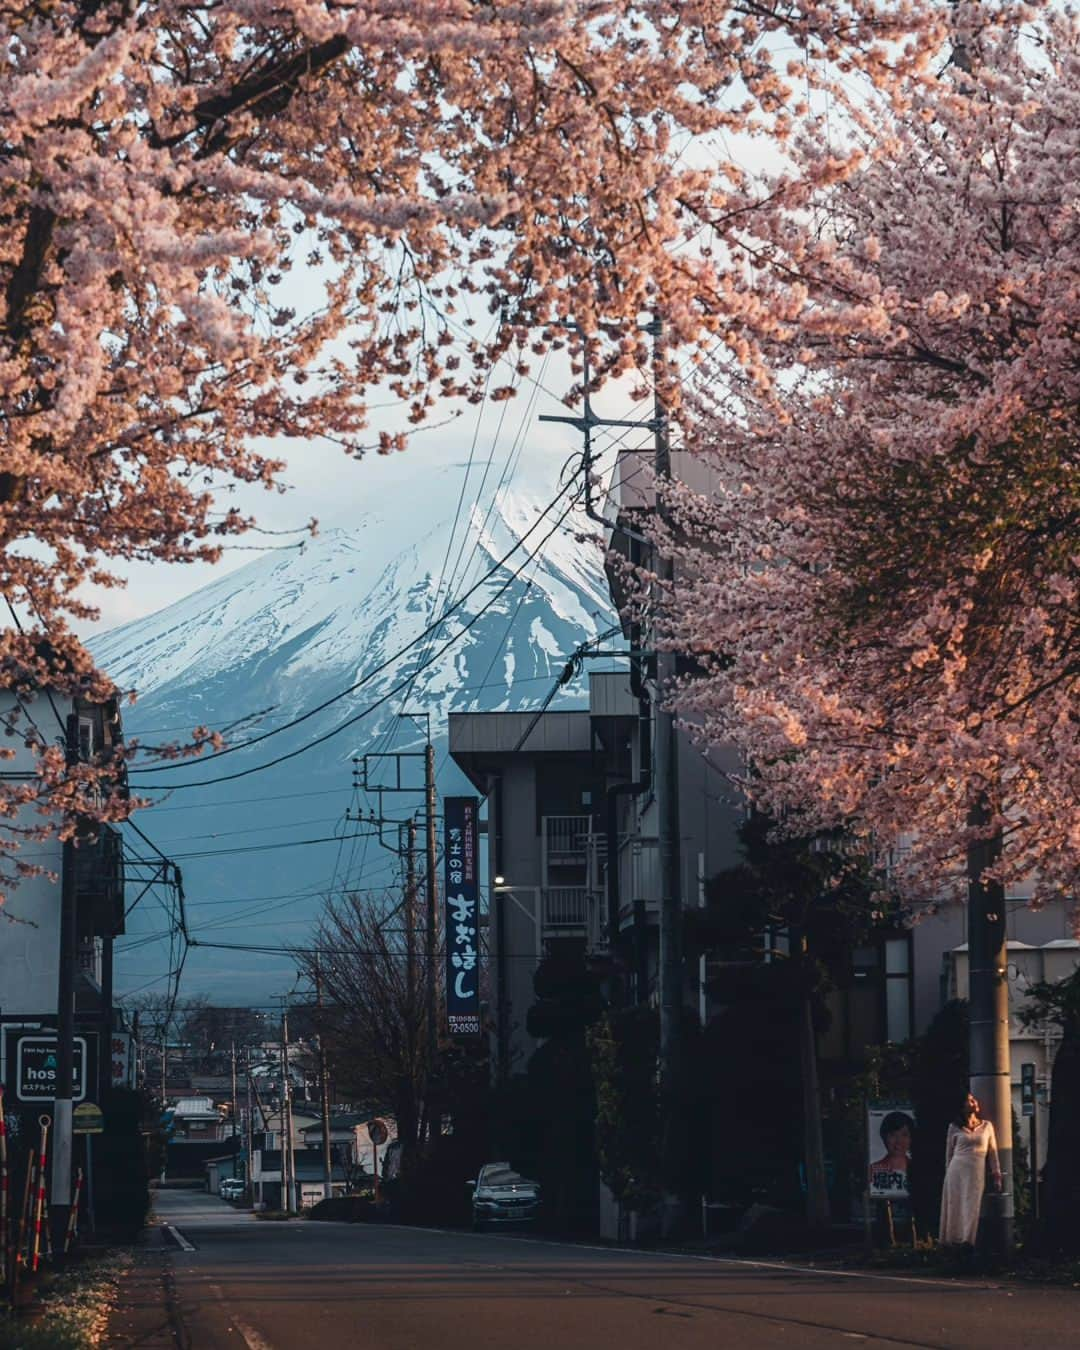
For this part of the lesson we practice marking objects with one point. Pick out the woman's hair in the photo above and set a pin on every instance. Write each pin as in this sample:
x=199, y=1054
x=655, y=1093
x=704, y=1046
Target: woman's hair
x=962, y=1113
x=895, y=1120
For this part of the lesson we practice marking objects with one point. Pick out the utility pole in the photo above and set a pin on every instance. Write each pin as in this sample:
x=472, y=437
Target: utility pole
x=988, y=1012
x=817, y=1188
x=988, y=966
x=410, y=917
x=249, y=1131
x=288, y=1169
x=62, y=1134
x=432, y=914
x=666, y=783
x=665, y=751
x=235, y=1131
x=324, y=1092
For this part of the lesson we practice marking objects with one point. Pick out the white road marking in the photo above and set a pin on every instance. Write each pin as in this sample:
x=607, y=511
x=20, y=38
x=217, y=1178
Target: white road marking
x=178, y=1237
x=251, y=1337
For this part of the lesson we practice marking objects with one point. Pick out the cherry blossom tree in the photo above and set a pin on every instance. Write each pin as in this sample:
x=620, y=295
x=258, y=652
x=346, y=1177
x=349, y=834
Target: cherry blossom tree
x=223, y=225
x=882, y=587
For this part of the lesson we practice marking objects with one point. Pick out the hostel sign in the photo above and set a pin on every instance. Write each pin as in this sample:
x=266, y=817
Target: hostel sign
x=461, y=917
x=35, y=1069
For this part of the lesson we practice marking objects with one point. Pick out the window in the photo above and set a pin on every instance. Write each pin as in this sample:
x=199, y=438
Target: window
x=898, y=988
x=86, y=738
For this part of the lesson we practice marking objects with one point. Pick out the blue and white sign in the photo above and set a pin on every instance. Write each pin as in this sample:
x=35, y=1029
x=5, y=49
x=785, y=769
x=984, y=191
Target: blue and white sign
x=462, y=919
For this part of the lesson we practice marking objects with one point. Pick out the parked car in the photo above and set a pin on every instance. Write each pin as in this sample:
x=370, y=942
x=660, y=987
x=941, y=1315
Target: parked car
x=231, y=1188
x=503, y=1196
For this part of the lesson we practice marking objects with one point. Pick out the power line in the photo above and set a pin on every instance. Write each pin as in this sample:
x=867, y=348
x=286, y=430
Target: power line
x=365, y=712
x=390, y=660
x=263, y=848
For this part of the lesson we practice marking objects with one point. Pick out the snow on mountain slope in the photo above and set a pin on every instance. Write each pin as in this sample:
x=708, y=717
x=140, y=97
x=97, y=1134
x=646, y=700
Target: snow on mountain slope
x=273, y=639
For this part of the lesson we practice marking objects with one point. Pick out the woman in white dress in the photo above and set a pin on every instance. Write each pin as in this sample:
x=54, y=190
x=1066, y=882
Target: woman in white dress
x=969, y=1147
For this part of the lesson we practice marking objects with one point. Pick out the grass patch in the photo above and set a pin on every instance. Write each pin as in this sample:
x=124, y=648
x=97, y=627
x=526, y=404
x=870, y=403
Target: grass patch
x=75, y=1308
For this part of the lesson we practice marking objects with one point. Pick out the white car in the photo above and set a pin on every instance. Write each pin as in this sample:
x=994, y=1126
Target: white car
x=501, y=1195
x=232, y=1188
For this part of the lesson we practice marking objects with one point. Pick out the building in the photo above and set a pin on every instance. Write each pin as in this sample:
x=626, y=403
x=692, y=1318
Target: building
x=197, y=1118
x=572, y=844
x=30, y=951
x=573, y=827
x=266, y=1182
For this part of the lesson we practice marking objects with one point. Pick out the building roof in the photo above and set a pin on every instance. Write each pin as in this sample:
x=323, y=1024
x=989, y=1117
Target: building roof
x=479, y=740
x=196, y=1106
x=341, y=1122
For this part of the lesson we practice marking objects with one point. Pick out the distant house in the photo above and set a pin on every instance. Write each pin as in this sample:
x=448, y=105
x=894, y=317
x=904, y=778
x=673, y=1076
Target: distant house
x=344, y=1144
x=197, y=1118
x=266, y=1177
x=271, y=1126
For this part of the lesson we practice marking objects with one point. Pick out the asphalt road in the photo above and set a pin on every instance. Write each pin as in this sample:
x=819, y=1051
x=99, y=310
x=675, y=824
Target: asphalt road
x=268, y=1285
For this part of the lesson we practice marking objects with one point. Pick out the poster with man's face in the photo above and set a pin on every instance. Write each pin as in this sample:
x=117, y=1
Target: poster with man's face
x=890, y=1131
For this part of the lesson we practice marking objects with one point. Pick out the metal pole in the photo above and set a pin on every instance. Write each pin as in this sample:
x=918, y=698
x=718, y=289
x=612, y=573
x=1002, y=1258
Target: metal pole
x=432, y=914
x=1033, y=1158
x=65, y=1023
x=324, y=1093
x=989, y=1016
x=667, y=795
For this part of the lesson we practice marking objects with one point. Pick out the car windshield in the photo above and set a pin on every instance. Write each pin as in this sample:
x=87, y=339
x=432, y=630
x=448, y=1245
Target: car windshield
x=501, y=1176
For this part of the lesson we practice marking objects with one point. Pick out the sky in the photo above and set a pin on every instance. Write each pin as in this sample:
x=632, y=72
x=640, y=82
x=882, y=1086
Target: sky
x=321, y=482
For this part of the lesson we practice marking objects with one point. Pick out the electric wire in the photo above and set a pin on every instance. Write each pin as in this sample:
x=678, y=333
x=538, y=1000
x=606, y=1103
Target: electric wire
x=388, y=661
x=371, y=707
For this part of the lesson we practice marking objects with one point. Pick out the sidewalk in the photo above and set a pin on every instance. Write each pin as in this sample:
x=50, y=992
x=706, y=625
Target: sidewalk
x=144, y=1315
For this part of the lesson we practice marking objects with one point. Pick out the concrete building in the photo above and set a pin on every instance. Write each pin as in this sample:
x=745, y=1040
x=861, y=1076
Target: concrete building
x=30, y=949
x=572, y=844
x=266, y=1181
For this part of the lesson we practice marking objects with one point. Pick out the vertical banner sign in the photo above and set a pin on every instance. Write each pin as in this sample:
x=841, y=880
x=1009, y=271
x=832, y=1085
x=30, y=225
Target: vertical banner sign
x=462, y=919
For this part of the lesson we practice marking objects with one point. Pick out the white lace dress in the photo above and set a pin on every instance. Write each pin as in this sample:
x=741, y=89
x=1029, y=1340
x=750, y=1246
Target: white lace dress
x=966, y=1155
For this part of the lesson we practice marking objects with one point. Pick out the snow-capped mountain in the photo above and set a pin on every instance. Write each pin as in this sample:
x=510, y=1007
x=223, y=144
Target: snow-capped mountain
x=266, y=643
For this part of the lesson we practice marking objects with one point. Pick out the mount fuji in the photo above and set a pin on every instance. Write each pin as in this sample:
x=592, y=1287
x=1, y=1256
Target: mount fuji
x=273, y=640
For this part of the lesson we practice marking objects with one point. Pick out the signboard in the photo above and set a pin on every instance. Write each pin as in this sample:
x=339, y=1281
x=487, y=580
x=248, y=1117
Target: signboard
x=87, y=1119
x=1027, y=1088
x=35, y=1069
x=122, y=1060
x=462, y=920
x=890, y=1131
x=377, y=1132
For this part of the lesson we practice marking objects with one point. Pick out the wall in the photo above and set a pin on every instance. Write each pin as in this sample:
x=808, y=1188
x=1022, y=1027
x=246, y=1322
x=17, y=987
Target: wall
x=520, y=864
x=937, y=935
x=30, y=950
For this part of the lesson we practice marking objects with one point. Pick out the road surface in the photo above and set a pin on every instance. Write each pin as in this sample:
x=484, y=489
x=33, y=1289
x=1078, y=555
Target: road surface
x=240, y=1282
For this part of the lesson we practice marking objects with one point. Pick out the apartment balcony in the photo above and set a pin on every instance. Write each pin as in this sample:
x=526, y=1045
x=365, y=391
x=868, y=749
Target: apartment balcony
x=565, y=908
x=566, y=839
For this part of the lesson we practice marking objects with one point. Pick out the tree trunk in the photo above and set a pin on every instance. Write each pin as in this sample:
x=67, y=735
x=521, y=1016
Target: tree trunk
x=1059, y=1231
x=817, y=1190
